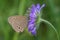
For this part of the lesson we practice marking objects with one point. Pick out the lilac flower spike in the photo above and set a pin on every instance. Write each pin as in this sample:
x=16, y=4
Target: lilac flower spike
x=32, y=17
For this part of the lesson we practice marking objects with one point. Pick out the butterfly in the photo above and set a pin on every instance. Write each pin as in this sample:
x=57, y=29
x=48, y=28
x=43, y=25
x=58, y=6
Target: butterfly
x=18, y=23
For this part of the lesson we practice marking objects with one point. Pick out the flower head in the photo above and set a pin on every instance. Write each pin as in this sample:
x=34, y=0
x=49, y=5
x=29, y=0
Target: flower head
x=32, y=17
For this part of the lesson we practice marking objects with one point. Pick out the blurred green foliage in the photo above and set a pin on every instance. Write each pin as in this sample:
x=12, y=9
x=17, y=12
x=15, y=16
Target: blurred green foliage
x=51, y=12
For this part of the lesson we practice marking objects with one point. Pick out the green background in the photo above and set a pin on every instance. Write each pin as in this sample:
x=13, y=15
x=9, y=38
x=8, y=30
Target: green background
x=50, y=12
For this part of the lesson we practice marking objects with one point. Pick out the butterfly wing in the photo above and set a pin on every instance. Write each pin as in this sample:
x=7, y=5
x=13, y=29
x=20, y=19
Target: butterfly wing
x=19, y=23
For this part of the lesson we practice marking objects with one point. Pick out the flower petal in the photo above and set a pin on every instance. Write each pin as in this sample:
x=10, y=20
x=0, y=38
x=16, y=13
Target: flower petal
x=42, y=6
x=38, y=6
x=33, y=31
x=31, y=27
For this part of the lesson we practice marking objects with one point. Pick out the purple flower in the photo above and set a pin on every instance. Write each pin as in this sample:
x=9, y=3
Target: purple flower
x=32, y=17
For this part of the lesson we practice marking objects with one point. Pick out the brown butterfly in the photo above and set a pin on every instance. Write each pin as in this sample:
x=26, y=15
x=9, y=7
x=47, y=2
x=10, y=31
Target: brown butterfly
x=19, y=23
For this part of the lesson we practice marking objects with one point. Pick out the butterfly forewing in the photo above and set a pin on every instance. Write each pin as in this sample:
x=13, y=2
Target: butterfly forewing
x=19, y=23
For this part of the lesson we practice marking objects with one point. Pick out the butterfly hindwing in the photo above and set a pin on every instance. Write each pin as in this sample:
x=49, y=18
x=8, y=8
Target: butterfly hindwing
x=19, y=23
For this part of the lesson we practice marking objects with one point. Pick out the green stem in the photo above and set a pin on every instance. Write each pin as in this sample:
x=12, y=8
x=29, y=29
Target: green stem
x=6, y=36
x=22, y=5
x=21, y=11
x=15, y=37
x=51, y=26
